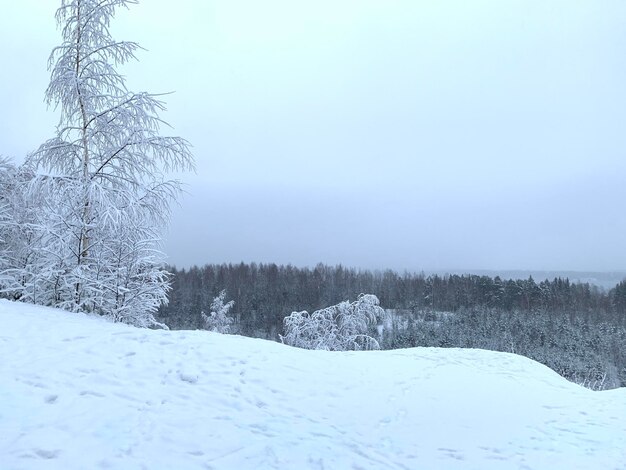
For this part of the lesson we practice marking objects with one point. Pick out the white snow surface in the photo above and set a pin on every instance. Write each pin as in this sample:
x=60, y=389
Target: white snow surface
x=78, y=392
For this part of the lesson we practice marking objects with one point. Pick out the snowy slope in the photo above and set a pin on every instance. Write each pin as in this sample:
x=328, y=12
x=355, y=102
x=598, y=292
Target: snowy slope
x=80, y=393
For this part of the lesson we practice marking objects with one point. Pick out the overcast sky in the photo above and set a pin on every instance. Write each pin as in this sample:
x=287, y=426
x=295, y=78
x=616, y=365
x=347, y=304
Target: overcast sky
x=409, y=134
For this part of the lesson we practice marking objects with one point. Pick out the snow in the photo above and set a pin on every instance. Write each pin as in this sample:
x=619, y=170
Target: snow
x=78, y=392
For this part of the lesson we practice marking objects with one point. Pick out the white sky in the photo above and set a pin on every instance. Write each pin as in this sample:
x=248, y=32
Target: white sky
x=375, y=133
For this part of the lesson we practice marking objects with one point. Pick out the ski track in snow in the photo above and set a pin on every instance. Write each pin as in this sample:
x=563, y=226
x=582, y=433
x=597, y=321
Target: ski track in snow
x=82, y=393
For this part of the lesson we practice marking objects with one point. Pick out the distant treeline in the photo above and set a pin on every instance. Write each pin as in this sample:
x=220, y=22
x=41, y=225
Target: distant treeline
x=578, y=330
x=265, y=293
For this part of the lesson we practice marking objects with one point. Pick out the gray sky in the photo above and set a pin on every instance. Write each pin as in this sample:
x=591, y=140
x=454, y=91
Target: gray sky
x=409, y=134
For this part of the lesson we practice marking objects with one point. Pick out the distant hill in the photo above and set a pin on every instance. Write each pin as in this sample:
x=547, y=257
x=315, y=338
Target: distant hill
x=605, y=280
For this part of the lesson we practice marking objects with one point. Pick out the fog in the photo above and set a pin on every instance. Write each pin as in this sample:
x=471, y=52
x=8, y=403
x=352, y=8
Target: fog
x=397, y=134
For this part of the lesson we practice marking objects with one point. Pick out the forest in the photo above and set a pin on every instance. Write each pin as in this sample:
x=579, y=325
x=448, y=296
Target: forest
x=577, y=329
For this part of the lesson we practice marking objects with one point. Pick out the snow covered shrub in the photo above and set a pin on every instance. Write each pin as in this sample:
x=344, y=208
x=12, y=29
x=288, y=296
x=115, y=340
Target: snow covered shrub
x=5, y=218
x=218, y=320
x=341, y=327
x=21, y=228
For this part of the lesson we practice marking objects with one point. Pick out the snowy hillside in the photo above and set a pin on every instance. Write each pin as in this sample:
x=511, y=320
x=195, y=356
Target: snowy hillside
x=81, y=393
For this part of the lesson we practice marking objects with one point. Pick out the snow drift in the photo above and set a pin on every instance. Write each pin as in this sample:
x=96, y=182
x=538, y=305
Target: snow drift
x=79, y=392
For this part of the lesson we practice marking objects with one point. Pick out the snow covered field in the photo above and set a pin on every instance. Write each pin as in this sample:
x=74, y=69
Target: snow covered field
x=81, y=393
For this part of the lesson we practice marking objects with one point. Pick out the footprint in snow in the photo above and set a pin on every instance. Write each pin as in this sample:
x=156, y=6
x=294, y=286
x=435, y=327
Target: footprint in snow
x=452, y=453
x=91, y=393
x=50, y=399
x=187, y=377
x=65, y=340
x=47, y=454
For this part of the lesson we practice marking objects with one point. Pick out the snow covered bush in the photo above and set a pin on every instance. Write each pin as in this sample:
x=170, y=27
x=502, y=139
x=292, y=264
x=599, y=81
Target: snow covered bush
x=6, y=174
x=218, y=319
x=341, y=327
x=21, y=230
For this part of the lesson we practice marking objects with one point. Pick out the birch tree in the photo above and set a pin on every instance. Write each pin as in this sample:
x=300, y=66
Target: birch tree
x=104, y=173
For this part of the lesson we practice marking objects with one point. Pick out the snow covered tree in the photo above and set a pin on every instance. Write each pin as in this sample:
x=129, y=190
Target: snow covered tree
x=20, y=217
x=341, y=327
x=218, y=319
x=6, y=176
x=103, y=175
